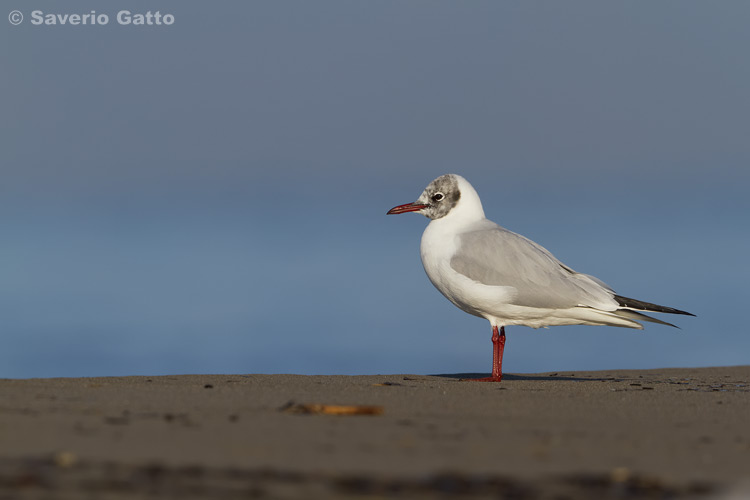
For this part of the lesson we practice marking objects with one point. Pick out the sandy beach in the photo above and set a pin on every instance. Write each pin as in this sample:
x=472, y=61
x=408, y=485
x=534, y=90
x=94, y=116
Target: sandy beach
x=671, y=433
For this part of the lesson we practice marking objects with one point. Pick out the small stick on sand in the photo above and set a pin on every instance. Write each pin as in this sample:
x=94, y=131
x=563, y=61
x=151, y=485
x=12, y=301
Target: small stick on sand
x=323, y=409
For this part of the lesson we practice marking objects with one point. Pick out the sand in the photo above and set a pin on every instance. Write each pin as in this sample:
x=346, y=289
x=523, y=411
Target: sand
x=671, y=433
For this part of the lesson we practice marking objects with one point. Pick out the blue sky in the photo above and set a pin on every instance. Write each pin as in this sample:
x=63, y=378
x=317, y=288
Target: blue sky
x=210, y=196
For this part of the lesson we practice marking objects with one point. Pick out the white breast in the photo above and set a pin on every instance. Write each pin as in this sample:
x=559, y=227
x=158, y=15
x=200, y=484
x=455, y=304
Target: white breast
x=439, y=244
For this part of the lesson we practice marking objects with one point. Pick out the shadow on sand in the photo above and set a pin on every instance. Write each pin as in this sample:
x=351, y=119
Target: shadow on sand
x=510, y=376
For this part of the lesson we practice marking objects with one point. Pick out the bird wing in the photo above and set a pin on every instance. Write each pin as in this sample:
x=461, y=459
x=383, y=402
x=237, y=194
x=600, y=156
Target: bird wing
x=492, y=255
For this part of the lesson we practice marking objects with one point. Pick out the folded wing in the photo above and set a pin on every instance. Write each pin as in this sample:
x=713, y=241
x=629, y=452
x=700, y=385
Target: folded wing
x=492, y=255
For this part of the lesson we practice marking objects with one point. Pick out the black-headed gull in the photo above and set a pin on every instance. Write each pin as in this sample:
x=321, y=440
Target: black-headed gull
x=499, y=275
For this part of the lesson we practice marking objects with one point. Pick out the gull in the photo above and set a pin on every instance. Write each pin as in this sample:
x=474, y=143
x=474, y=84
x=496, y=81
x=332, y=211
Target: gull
x=496, y=274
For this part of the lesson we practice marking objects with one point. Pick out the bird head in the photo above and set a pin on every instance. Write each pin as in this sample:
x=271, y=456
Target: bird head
x=439, y=198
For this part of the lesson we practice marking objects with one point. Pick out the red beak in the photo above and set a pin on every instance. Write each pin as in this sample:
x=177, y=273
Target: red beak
x=409, y=207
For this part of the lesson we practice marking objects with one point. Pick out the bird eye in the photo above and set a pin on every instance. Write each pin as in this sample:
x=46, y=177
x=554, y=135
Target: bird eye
x=438, y=197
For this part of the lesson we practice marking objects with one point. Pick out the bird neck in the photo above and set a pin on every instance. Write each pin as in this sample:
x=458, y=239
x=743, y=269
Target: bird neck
x=468, y=209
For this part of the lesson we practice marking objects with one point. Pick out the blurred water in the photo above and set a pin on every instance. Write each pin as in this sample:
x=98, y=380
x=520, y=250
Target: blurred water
x=329, y=284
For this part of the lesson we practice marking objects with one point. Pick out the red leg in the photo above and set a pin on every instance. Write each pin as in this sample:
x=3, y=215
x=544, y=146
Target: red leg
x=498, y=346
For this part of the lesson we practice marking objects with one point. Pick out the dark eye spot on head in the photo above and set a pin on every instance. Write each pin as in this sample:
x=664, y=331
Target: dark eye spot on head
x=441, y=196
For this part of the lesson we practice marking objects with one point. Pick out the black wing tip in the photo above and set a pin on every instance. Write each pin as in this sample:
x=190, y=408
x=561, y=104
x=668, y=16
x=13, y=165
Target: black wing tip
x=672, y=310
x=648, y=306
